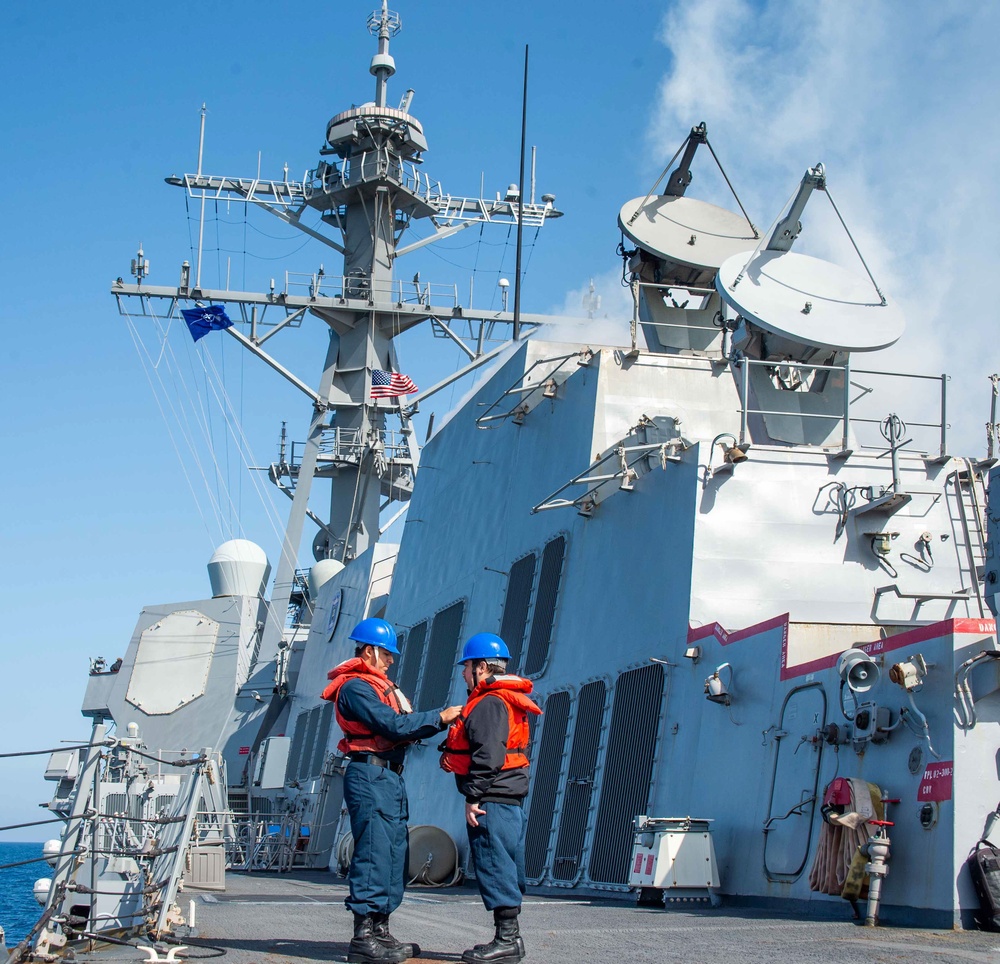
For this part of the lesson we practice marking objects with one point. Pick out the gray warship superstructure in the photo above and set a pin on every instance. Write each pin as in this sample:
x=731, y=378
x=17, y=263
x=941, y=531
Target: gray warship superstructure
x=736, y=565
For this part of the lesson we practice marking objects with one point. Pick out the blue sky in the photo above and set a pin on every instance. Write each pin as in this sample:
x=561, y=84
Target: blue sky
x=895, y=98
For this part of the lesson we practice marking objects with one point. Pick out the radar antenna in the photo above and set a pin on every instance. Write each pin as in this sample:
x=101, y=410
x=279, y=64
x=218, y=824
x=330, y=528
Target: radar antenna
x=805, y=303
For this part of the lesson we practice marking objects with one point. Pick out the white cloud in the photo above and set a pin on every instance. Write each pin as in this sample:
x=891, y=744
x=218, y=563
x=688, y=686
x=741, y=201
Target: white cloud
x=896, y=100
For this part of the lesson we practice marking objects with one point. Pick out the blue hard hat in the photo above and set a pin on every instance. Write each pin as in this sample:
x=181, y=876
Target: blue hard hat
x=484, y=646
x=375, y=632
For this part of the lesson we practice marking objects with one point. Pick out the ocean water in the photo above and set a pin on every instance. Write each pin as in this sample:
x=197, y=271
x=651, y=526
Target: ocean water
x=18, y=908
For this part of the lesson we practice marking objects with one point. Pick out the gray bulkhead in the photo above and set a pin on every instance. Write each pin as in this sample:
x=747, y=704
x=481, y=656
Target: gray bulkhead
x=688, y=545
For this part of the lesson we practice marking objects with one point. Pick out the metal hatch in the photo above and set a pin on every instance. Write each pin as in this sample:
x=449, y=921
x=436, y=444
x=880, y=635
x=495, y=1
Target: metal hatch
x=794, y=783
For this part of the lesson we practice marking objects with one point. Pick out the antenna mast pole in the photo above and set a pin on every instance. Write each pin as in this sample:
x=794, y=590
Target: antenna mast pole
x=201, y=220
x=520, y=204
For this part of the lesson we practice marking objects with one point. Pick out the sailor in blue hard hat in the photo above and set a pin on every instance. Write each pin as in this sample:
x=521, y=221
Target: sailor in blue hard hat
x=378, y=724
x=486, y=750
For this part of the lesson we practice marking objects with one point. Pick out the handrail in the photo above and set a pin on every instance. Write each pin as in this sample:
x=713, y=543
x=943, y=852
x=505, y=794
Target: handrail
x=744, y=364
x=529, y=390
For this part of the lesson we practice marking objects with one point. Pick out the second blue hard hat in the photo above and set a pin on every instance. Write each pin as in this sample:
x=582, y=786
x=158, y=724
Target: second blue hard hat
x=375, y=632
x=484, y=646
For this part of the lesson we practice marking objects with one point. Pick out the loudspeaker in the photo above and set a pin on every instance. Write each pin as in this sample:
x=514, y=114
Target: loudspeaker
x=858, y=670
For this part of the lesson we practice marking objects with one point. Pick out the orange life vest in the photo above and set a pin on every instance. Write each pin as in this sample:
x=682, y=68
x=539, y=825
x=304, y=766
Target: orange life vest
x=456, y=756
x=357, y=737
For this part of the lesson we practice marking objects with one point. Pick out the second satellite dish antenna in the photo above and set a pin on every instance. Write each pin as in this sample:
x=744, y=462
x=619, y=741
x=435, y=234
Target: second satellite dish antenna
x=809, y=301
x=804, y=300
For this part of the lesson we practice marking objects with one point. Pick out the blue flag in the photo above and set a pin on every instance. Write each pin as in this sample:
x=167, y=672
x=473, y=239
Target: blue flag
x=201, y=321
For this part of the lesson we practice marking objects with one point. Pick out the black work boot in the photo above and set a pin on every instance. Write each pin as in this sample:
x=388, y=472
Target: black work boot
x=365, y=947
x=380, y=928
x=507, y=947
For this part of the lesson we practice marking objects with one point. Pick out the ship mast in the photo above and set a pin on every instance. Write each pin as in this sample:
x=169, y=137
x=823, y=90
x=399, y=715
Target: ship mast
x=367, y=188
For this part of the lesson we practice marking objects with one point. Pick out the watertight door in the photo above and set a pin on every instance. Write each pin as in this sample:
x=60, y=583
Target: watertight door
x=789, y=826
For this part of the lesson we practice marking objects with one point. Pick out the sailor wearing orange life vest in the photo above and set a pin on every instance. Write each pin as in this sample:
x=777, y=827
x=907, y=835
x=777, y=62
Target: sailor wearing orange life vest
x=378, y=724
x=485, y=749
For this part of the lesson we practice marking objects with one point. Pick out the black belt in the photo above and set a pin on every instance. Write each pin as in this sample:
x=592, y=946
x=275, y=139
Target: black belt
x=375, y=761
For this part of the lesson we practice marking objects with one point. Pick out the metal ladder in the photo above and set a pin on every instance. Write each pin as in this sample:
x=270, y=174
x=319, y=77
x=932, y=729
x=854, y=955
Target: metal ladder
x=968, y=488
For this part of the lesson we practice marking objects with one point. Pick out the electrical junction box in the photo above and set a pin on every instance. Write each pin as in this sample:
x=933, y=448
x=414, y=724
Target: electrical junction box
x=673, y=852
x=63, y=765
x=272, y=761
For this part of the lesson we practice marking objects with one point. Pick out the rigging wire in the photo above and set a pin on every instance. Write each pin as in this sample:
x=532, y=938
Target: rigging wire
x=140, y=350
x=244, y=448
x=235, y=427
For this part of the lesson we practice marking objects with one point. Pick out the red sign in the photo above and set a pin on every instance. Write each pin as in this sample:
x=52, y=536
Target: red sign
x=936, y=782
x=244, y=751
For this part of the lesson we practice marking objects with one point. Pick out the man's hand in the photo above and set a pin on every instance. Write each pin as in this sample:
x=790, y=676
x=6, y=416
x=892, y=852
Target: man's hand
x=450, y=714
x=472, y=812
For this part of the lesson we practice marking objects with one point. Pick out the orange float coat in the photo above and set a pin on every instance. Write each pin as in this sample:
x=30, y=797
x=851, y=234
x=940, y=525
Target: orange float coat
x=456, y=755
x=357, y=737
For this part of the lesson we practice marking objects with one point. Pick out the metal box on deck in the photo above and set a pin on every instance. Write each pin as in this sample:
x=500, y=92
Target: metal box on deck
x=673, y=852
x=206, y=867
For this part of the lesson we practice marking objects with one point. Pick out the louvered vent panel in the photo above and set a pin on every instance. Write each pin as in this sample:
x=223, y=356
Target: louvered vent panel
x=309, y=743
x=547, y=766
x=545, y=606
x=393, y=671
x=413, y=654
x=515, y=608
x=628, y=770
x=579, y=781
x=442, y=651
x=533, y=725
x=322, y=738
x=295, y=751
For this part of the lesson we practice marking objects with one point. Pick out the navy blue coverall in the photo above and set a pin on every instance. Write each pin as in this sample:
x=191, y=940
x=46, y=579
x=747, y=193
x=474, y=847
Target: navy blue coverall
x=497, y=844
x=376, y=801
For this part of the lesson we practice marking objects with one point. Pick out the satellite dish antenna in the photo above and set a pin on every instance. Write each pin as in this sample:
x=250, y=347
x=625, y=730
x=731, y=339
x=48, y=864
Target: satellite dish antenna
x=695, y=236
x=685, y=230
x=804, y=300
x=808, y=301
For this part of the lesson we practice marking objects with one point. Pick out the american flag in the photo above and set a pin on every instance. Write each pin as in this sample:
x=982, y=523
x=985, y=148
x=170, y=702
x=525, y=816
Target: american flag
x=390, y=384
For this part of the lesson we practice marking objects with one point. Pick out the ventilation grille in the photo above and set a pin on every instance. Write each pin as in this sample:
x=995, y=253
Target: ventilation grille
x=545, y=606
x=628, y=770
x=309, y=743
x=413, y=655
x=515, y=608
x=322, y=738
x=541, y=802
x=295, y=750
x=579, y=782
x=441, y=653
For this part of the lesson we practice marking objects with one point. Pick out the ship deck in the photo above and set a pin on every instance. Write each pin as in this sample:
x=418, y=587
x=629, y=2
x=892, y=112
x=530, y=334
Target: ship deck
x=271, y=919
